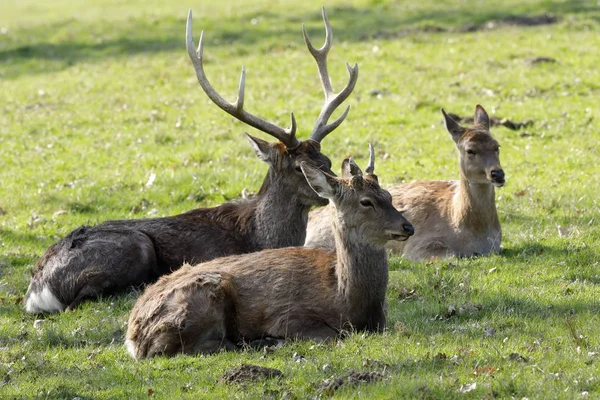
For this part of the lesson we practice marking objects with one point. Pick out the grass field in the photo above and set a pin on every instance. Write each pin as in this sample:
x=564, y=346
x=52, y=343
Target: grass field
x=95, y=97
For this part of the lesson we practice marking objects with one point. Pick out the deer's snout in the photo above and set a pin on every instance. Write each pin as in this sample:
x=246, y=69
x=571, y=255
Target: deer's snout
x=408, y=229
x=497, y=176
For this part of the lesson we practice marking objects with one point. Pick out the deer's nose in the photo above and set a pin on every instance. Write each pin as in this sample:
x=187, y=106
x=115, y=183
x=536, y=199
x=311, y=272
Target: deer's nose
x=408, y=229
x=497, y=175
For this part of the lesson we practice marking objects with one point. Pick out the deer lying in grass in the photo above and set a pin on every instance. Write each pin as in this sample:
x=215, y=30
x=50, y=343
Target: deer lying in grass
x=107, y=258
x=290, y=293
x=451, y=218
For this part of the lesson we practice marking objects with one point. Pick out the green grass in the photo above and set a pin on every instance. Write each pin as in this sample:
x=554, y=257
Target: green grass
x=97, y=96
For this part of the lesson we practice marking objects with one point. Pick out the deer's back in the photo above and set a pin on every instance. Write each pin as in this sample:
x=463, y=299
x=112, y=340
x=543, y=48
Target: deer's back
x=193, y=237
x=424, y=203
x=428, y=205
x=319, y=234
x=263, y=290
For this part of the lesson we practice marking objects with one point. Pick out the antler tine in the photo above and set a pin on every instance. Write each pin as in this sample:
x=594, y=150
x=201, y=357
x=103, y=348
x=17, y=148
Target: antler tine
x=332, y=100
x=371, y=166
x=235, y=109
x=320, y=55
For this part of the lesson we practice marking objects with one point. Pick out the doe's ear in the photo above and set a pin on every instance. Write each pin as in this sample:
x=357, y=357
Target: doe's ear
x=323, y=184
x=350, y=168
x=481, y=118
x=455, y=130
x=262, y=148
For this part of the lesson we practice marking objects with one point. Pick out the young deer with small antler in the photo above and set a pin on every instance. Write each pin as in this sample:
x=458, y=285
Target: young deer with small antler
x=107, y=258
x=291, y=293
x=451, y=218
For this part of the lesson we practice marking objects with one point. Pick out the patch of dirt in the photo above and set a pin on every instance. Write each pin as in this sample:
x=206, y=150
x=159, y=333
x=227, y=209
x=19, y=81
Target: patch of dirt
x=453, y=311
x=247, y=373
x=407, y=295
x=495, y=121
x=352, y=378
x=517, y=357
x=541, y=60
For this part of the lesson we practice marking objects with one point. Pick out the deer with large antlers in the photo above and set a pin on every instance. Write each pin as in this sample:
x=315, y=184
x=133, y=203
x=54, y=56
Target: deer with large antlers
x=292, y=293
x=114, y=255
x=451, y=218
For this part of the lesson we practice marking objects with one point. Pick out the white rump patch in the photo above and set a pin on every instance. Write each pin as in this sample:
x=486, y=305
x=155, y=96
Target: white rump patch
x=130, y=348
x=43, y=301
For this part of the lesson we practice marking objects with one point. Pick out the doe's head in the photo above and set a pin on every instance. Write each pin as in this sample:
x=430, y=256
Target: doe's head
x=479, y=152
x=363, y=207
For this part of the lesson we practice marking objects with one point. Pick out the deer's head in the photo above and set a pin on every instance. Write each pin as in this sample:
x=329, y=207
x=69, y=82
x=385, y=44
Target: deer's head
x=479, y=152
x=284, y=165
x=362, y=206
x=286, y=156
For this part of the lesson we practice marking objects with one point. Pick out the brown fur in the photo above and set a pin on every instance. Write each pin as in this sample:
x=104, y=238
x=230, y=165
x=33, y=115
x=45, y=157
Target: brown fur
x=284, y=293
x=451, y=218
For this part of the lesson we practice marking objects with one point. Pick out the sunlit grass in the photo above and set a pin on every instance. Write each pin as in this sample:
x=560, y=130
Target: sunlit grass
x=97, y=96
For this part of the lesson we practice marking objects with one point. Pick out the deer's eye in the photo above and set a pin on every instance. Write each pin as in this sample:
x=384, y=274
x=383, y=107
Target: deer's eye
x=366, y=203
x=471, y=152
x=298, y=169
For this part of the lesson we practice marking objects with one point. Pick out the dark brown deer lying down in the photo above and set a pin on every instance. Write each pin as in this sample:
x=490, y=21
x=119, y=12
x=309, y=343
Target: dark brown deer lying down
x=451, y=218
x=290, y=293
x=107, y=258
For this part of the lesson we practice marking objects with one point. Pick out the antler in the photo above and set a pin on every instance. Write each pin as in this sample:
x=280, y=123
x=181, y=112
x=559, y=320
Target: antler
x=235, y=109
x=332, y=100
x=371, y=166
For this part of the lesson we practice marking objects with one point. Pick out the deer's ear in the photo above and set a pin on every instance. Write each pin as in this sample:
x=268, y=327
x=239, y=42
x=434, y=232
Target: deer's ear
x=262, y=148
x=481, y=118
x=323, y=184
x=350, y=168
x=455, y=130
x=357, y=182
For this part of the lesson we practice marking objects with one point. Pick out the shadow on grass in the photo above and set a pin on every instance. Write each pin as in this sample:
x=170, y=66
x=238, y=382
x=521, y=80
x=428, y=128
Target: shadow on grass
x=580, y=253
x=11, y=236
x=499, y=315
x=19, y=238
x=78, y=41
x=70, y=329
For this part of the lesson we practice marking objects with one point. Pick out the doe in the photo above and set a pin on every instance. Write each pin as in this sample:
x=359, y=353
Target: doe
x=292, y=293
x=451, y=218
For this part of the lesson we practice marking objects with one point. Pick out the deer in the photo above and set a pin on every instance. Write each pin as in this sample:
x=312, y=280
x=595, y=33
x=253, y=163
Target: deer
x=455, y=218
x=290, y=293
x=108, y=258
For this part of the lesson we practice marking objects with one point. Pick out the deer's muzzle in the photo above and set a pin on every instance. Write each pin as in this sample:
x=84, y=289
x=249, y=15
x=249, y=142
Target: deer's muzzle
x=497, y=177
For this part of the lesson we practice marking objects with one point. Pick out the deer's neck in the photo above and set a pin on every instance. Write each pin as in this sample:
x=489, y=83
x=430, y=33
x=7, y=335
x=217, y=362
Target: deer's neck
x=281, y=217
x=362, y=273
x=474, y=205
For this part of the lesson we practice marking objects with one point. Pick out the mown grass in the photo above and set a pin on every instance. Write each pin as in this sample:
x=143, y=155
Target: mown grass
x=97, y=96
